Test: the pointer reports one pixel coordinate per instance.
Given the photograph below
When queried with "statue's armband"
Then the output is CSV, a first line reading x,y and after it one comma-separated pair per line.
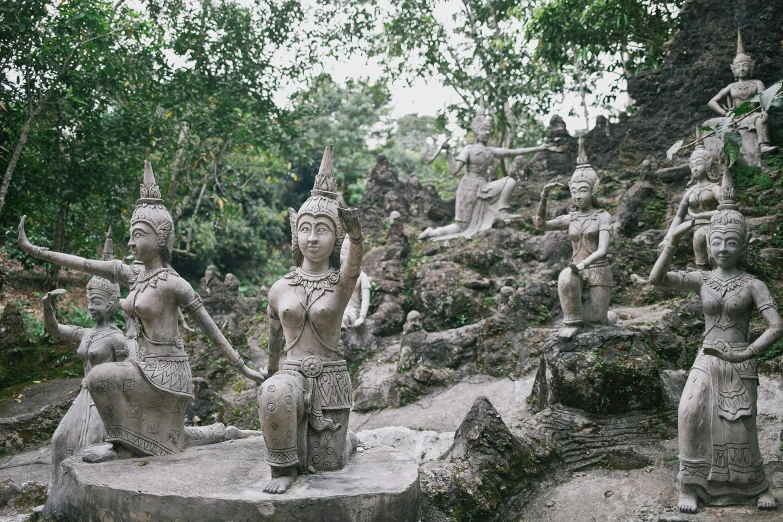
x,y
194,305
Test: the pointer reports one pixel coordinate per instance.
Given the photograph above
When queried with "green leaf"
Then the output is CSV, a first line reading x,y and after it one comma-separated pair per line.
x,y
768,95
674,149
744,108
731,146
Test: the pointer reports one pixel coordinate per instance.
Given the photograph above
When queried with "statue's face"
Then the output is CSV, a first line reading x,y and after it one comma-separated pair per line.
x,y
741,68
316,237
482,134
99,307
726,248
581,195
698,167
143,242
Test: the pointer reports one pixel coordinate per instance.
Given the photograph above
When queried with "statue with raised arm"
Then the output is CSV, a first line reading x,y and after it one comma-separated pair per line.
x,y
356,311
82,426
304,406
479,201
735,94
143,402
720,460
698,204
585,286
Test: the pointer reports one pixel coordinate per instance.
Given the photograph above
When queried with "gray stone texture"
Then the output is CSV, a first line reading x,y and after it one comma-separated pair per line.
x,y
224,482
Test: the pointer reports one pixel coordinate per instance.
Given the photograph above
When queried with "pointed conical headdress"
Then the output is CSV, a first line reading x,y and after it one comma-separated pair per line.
x,y
104,286
323,201
741,54
481,117
151,210
584,173
728,218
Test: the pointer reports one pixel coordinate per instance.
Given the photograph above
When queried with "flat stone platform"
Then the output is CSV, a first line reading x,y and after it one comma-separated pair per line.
x,y
223,482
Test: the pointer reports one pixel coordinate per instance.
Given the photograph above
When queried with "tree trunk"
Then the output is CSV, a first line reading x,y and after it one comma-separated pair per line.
x,y
183,134
53,270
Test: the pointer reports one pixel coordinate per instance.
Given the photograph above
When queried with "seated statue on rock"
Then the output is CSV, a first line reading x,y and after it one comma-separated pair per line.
x,y
82,426
304,406
143,402
356,311
720,459
585,286
699,204
479,201
753,128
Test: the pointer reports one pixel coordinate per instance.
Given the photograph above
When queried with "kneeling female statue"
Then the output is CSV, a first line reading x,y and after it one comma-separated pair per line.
x,y
720,460
143,402
304,406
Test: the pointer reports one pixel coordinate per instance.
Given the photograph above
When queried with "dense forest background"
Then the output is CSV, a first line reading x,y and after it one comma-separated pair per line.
x,y
232,104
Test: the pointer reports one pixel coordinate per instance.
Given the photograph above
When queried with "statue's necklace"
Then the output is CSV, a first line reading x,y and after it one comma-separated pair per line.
x,y
100,333
314,285
145,279
746,90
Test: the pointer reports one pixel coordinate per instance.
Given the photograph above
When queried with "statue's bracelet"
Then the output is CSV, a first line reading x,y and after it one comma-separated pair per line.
x,y
357,240
240,363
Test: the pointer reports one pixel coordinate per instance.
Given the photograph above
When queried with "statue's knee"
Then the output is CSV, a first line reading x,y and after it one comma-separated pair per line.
x,y
567,279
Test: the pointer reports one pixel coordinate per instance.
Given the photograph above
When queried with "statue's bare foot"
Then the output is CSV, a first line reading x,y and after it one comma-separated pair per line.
x,y
568,332
103,453
688,500
233,433
611,317
767,148
767,501
282,480
427,233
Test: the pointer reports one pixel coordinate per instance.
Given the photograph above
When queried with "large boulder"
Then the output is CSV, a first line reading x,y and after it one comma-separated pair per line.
x,y
485,467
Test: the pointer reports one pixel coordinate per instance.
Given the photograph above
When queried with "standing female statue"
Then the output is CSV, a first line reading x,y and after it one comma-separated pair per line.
x,y
585,286
720,458
737,93
698,204
143,402
82,426
304,406
479,201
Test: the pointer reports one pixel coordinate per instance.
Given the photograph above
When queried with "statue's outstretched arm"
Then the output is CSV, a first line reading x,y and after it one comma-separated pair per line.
x,y
115,271
502,152
191,304
53,328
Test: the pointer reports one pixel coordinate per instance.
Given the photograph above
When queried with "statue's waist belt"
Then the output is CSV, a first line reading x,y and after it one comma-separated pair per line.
x,y
736,347
329,381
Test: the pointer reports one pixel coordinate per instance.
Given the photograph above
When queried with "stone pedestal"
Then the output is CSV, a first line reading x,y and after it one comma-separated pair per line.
x,y
225,481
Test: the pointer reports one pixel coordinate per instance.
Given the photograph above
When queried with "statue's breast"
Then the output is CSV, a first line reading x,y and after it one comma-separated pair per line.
x,y
743,91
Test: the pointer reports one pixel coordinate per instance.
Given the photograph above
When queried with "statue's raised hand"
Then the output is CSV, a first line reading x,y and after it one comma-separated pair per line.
x,y
24,243
445,145
549,186
349,218
49,298
253,375
680,230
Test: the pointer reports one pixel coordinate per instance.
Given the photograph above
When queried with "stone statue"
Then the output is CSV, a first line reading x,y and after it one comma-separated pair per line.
x,y
479,201
699,204
585,286
304,406
142,402
720,460
356,311
754,128
82,426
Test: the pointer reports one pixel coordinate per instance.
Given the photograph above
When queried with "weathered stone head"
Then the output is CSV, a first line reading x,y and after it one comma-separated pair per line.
x,y
742,66
151,219
481,124
584,177
318,212
727,238
701,162
412,322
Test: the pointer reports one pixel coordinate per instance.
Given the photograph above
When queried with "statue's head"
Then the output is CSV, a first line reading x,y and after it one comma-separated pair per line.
x,y
700,162
481,124
584,182
152,229
103,298
316,233
728,235
742,66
